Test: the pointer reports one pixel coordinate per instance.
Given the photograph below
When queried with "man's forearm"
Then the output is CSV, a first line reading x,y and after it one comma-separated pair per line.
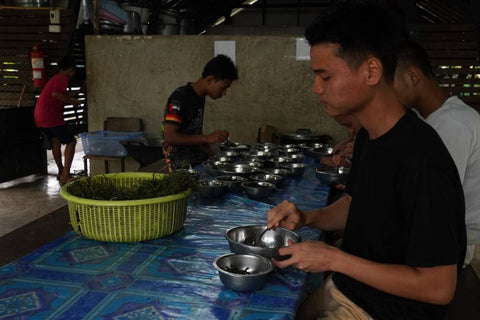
x,y
434,285
181,139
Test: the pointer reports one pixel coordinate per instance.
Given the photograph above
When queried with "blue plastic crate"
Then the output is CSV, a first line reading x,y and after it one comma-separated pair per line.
x,y
107,143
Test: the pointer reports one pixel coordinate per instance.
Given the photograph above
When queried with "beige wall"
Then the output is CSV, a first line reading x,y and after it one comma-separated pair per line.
x,y
132,76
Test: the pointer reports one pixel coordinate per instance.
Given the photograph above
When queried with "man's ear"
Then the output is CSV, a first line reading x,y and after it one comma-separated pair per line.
x,y
210,79
412,76
373,70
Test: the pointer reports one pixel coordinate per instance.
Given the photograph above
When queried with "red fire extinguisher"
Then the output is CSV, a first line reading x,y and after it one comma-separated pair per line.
x,y
38,67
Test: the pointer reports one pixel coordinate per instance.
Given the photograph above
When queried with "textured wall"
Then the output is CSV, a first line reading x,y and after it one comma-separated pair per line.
x,y
132,76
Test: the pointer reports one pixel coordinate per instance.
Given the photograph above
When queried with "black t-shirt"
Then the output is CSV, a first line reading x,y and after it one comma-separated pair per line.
x,y
407,208
185,109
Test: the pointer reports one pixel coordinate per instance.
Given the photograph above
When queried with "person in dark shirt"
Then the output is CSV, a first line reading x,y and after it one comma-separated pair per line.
x,y
184,143
404,213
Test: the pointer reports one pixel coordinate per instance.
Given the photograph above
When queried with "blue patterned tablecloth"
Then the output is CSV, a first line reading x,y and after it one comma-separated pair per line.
x,y
168,278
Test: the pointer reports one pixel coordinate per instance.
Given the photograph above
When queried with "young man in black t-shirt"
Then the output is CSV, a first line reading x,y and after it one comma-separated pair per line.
x,y
404,213
183,140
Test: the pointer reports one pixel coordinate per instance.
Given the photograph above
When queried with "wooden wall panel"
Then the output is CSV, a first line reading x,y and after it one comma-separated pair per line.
x,y
453,51
21,29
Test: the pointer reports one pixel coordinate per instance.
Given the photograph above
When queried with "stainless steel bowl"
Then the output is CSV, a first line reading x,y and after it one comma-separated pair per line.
x,y
321,152
288,151
217,169
230,154
332,176
243,272
253,164
236,169
210,188
266,177
307,146
279,171
234,183
296,157
258,189
277,161
234,146
221,158
259,153
253,158
295,169
240,239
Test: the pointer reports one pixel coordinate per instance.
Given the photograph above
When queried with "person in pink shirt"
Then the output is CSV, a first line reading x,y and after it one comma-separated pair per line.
x,y
49,117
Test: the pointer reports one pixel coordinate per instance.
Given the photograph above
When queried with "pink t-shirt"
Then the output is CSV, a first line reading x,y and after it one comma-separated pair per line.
x,y
49,110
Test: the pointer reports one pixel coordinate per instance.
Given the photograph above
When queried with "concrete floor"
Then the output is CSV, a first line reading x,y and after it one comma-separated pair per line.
x,y
27,199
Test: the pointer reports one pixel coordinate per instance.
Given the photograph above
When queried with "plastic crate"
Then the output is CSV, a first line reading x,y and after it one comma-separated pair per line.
x,y
107,143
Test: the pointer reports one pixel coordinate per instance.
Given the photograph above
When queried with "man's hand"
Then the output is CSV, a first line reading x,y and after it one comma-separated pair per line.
x,y
310,256
217,136
286,215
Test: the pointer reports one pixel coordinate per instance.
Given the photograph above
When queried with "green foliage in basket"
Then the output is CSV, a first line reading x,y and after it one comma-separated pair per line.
x,y
102,188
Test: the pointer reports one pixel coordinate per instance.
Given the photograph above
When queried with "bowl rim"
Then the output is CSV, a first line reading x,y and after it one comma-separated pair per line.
x,y
261,226
269,184
237,275
255,176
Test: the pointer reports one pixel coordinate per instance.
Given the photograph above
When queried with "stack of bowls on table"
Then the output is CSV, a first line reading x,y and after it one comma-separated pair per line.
x,y
248,266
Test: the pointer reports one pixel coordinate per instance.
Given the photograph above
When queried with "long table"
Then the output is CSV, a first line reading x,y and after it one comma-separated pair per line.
x,y
168,278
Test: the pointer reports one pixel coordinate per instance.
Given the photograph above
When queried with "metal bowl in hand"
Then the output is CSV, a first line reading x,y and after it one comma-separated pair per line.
x,y
258,189
240,240
243,272
265,177
294,168
332,176
234,183
210,188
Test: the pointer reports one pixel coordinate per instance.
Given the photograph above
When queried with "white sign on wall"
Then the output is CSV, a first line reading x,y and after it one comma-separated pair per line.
x,y
303,49
225,47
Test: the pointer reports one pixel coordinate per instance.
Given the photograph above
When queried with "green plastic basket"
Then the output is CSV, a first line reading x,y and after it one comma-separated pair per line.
x,y
128,220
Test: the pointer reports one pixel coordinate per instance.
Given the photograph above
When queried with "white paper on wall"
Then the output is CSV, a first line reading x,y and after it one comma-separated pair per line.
x,y
303,50
225,47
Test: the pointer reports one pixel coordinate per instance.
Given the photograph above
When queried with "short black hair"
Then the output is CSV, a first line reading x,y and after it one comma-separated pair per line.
x,y
360,28
411,53
221,67
66,63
